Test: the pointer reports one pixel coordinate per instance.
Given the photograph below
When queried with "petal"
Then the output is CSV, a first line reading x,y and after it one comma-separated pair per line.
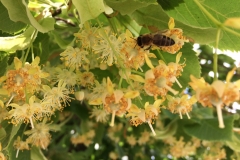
x,y
149,63
97,101
230,74
149,74
17,63
109,86
137,78
31,100
171,23
131,94
36,61
219,87
178,57
118,94
157,103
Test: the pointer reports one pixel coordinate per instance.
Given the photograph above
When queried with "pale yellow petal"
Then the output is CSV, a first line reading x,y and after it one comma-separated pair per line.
x,y
97,101
149,74
171,23
17,63
237,83
109,86
151,55
230,74
219,87
137,78
178,57
118,94
2,79
142,115
36,61
158,102
132,94
148,61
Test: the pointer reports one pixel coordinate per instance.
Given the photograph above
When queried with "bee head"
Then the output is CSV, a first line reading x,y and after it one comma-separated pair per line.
x,y
139,41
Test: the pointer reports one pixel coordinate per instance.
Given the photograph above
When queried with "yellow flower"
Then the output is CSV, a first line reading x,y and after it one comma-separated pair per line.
x,y
56,98
159,80
24,113
20,145
131,140
40,136
148,114
2,157
24,79
217,94
181,105
177,35
100,115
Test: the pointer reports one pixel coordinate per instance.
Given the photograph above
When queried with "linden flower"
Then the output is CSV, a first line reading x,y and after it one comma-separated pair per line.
x,y
115,132
85,139
148,114
88,36
100,115
74,57
68,76
116,102
134,55
176,35
20,145
56,97
131,140
217,94
40,136
158,80
86,79
25,113
22,80
145,136
109,47
181,105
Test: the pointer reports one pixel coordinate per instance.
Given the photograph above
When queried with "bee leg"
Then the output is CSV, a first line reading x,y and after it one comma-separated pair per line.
x,y
148,48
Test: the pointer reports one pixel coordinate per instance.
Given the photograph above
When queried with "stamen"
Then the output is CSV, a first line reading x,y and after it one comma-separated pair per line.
x,y
113,118
17,153
180,113
31,122
220,118
12,96
178,82
150,125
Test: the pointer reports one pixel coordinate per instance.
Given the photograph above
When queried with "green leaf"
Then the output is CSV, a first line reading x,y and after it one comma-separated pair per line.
x,y
128,6
3,64
154,15
6,24
208,129
88,9
2,133
235,143
18,11
36,154
189,13
19,42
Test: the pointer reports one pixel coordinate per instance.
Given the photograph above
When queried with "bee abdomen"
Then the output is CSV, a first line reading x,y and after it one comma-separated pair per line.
x,y
162,40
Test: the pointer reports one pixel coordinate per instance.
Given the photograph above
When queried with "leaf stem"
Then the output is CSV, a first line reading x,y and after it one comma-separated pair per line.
x,y
207,13
215,56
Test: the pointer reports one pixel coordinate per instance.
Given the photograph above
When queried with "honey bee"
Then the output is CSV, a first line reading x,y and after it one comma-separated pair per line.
x,y
154,39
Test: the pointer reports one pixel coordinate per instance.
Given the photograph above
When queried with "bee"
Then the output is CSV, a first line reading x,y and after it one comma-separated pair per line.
x,y
154,39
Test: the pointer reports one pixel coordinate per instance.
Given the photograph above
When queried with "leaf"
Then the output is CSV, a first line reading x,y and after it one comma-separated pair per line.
x,y
88,9
208,129
11,130
3,64
18,11
6,24
235,143
36,154
128,6
19,42
2,133
189,13
154,15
